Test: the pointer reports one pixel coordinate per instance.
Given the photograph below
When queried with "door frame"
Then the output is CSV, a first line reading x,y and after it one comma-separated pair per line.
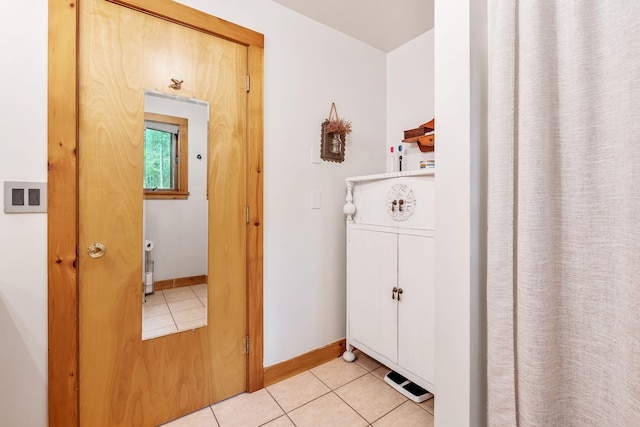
x,y
62,188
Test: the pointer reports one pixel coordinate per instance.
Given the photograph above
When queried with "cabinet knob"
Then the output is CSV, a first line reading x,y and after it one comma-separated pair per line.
x,y
399,293
401,202
393,293
393,205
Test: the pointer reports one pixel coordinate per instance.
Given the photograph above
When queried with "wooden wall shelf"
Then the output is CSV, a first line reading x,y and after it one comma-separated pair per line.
x,y
423,136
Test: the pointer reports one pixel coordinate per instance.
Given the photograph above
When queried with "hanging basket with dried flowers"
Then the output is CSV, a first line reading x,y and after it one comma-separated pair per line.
x,y
334,131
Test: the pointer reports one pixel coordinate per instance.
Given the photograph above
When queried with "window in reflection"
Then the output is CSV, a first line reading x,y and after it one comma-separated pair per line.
x,y
166,158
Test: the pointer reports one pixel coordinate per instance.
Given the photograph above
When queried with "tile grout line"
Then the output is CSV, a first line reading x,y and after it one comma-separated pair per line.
x,y
171,312
384,382
306,403
352,408
214,415
332,390
377,419
175,323
286,414
168,309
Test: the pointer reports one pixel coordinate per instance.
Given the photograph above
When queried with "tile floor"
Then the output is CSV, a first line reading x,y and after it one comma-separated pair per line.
x,y
334,394
172,310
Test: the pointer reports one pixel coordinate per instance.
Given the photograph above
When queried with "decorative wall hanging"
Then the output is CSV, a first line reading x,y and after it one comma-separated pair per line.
x,y
333,136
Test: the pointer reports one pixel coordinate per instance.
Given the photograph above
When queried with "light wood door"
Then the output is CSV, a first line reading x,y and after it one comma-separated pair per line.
x,y
125,381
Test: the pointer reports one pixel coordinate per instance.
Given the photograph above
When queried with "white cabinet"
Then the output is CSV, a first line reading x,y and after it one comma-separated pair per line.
x,y
390,272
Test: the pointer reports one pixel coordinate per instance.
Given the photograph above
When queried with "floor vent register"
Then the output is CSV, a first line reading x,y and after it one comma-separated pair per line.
x,y
411,390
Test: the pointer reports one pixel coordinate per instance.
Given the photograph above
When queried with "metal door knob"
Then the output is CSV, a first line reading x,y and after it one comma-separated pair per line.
x,y
96,250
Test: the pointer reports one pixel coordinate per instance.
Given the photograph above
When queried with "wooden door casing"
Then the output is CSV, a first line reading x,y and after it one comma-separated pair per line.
x,y
63,191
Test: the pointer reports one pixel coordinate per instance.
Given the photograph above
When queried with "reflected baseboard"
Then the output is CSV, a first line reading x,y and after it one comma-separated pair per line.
x,y
180,282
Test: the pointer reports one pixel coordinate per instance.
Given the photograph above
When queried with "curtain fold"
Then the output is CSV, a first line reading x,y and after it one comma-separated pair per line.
x,y
563,285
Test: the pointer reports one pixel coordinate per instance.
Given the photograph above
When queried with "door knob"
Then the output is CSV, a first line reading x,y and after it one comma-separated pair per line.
x,y
96,250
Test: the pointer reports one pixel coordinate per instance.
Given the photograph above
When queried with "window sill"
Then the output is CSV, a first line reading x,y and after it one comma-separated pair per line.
x,y
166,195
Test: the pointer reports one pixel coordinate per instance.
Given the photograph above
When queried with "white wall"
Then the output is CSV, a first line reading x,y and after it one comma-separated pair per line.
x,y
410,95
178,228
308,66
23,237
460,99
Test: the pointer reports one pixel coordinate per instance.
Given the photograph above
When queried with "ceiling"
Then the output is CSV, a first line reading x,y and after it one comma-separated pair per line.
x,y
383,24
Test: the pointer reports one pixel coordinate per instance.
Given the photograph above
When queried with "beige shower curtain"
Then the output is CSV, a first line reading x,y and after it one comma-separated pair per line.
x,y
564,213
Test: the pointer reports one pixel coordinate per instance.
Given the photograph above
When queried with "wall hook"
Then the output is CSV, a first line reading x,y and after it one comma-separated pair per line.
x,y
176,84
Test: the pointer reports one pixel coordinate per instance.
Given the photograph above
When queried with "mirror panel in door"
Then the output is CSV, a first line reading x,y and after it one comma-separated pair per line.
x,y
175,215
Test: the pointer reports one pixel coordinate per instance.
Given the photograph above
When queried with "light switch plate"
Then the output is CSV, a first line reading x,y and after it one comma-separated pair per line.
x,y
315,154
25,197
316,200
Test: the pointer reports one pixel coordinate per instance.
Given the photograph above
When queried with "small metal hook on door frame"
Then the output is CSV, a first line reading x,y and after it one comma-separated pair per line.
x,y
176,84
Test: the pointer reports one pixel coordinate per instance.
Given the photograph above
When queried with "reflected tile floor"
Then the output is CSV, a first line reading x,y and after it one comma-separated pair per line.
x,y
334,394
173,310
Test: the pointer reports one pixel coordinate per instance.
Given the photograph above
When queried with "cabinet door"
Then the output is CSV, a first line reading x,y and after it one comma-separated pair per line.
x,y
372,267
416,319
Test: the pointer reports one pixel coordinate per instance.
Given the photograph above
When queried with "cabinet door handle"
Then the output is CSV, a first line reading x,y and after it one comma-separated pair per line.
x,y
400,203
393,293
399,293
393,205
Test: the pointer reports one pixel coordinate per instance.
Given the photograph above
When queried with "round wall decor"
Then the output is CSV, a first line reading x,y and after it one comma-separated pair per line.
x,y
401,202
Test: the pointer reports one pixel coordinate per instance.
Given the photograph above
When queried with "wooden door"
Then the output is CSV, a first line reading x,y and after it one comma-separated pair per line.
x,y
125,381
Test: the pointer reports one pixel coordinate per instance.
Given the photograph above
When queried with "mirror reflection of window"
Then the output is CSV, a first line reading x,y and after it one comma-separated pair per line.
x,y
165,156
161,160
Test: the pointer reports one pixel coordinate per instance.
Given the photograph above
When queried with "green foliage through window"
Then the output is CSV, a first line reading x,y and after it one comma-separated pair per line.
x,y
160,160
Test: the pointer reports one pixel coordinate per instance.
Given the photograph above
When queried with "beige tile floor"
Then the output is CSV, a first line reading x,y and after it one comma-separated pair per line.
x,y
173,310
334,394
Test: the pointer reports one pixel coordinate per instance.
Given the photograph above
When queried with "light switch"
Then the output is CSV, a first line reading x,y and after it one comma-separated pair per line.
x,y
316,199
17,197
34,197
25,197
315,154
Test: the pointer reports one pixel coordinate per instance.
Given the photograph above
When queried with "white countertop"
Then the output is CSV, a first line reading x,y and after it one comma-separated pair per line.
x,y
420,172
